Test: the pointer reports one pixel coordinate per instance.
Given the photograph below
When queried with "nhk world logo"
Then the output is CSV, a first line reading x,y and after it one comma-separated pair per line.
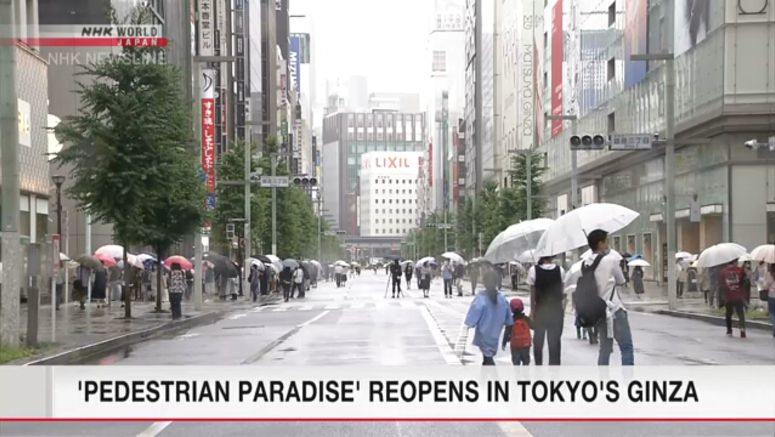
x,y
88,35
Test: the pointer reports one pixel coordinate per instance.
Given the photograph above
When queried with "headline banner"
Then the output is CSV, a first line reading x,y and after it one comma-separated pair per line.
x,y
388,393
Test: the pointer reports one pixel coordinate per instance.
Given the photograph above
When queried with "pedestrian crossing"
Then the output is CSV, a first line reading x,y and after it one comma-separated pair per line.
x,y
335,306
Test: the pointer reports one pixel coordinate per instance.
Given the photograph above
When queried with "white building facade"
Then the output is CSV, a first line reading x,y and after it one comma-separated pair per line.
x,y
389,191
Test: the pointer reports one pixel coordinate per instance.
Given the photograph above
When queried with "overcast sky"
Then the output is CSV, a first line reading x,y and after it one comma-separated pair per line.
x,y
384,40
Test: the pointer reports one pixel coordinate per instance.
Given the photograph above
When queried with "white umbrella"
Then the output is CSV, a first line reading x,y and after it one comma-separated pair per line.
x,y
342,263
573,274
143,257
355,264
111,250
765,252
570,230
454,257
277,262
683,255
516,239
427,259
406,261
745,258
63,257
639,263
528,256
255,262
719,254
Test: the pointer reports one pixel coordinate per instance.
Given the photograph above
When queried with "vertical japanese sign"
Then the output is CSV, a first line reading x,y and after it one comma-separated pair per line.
x,y
295,62
557,58
55,249
205,28
208,133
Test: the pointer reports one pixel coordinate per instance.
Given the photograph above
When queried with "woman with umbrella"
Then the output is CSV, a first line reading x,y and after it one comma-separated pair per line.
x,y
177,286
408,269
637,275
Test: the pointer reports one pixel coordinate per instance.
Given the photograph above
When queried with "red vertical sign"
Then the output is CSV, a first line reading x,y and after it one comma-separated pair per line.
x,y
557,57
208,134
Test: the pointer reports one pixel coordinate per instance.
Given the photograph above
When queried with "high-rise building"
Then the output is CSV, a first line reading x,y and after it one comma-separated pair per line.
x,y
349,135
389,188
445,99
724,96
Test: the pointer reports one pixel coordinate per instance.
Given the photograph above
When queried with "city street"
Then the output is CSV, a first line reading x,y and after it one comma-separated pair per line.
x,y
355,325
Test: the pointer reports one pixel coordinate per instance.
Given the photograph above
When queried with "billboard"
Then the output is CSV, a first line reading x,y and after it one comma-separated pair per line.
x,y
208,133
294,64
694,19
635,40
557,60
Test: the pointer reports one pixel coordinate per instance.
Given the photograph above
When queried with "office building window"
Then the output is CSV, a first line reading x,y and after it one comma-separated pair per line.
x,y
439,63
611,68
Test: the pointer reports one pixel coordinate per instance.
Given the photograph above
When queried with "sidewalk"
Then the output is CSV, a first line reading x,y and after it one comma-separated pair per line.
x,y
89,332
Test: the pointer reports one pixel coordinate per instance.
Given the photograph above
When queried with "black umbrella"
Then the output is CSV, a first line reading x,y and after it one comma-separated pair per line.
x,y
263,258
222,265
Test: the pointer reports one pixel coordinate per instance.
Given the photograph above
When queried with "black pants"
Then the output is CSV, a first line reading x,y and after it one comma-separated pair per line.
x,y
488,361
520,356
447,287
679,288
738,307
286,291
473,286
548,325
299,287
396,285
175,307
408,282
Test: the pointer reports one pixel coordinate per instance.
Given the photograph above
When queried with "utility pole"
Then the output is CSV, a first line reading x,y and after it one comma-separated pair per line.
x,y
444,139
574,177
274,206
529,183
247,237
669,181
9,143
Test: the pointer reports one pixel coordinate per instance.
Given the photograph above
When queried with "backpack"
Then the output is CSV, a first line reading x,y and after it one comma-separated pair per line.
x,y
590,307
520,334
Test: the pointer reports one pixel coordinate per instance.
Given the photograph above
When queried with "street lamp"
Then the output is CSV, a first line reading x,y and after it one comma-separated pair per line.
x,y
58,181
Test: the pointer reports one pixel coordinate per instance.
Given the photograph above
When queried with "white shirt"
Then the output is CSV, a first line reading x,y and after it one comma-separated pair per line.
x,y
338,269
298,276
608,274
531,274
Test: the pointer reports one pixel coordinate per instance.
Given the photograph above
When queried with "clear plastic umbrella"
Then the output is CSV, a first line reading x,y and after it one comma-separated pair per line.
x,y
454,257
639,263
765,252
570,231
719,254
516,239
111,250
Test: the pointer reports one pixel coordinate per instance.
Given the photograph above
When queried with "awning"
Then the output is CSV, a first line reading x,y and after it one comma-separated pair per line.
x,y
656,217
682,213
713,209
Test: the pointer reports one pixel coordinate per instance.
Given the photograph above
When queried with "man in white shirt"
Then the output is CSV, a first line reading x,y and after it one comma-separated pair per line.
x,y
608,275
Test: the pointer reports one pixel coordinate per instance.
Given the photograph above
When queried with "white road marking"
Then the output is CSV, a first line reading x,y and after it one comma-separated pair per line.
x,y
313,320
237,316
438,338
257,309
514,429
189,335
281,309
154,429
332,306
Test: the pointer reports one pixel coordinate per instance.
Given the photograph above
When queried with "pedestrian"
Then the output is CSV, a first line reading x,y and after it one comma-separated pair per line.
x,y
715,297
459,273
263,280
637,281
255,282
114,284
189,284
749,282
176,286
681,275
608,276
519,335
704,277
446,276
408,275
546,281
514,277
473,274
425,282
418,275
298,283
80,292
338,275
99,286
732,279
490,315
625,271
59,281
769,284
285,282
395,275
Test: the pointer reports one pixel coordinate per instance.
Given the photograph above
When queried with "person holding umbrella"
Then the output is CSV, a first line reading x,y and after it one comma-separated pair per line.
x,y
177,286
546,281
473,274
286,277
446,276
732,279
298,282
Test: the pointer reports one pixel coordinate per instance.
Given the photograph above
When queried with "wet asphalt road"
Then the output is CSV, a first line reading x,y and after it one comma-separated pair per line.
x,y
355,325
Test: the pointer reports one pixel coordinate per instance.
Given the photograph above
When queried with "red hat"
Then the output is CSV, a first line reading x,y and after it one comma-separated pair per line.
x,y
517,305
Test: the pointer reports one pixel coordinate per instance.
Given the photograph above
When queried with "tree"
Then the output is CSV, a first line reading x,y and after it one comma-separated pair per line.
x,y
518,178
128,150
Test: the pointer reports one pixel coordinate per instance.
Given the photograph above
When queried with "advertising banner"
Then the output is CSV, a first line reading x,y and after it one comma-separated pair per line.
x,y
557,60
635,40
294,66
205,29
208,133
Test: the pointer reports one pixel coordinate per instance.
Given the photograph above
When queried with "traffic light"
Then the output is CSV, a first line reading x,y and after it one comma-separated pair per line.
x,y
304,181
588,142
